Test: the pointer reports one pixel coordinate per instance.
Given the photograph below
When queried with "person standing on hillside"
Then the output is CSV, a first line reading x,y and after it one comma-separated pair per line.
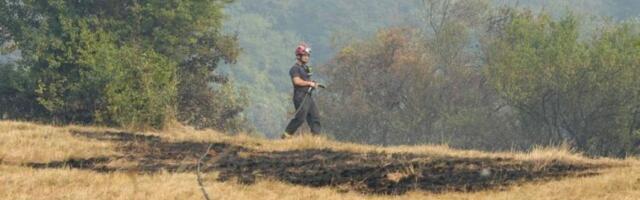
x,y
306,109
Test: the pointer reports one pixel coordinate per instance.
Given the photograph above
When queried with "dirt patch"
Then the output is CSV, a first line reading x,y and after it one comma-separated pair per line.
x,y
376,173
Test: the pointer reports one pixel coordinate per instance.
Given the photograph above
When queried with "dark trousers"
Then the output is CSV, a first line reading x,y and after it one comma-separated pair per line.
x,y
307,112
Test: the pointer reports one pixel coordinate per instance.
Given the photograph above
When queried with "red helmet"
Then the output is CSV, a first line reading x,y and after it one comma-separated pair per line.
x,y
303,49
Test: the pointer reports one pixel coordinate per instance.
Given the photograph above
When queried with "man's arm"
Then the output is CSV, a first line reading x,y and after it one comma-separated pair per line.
x,y
297,81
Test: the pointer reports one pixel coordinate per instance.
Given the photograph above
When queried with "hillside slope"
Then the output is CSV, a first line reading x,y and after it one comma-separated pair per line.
x,y
74,162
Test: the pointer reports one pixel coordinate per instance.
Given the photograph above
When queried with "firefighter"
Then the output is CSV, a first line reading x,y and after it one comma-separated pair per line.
x,y
306,109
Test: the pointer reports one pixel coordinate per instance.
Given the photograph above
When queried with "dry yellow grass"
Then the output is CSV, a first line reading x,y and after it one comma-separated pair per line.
x,y
22,142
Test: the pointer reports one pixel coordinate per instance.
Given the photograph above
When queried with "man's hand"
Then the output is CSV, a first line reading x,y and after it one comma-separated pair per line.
x,y
313,84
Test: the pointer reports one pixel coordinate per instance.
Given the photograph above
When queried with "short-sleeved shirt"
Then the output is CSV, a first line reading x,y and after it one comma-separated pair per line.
x,y
299,71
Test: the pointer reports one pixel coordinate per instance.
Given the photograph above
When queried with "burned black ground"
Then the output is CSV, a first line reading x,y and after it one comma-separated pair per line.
x,y
377,173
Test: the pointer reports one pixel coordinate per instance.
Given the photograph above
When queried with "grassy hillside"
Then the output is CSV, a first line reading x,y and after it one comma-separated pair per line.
x,y
74,162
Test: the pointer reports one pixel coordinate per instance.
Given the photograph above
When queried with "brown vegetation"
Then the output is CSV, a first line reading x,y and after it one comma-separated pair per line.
x,y
124,165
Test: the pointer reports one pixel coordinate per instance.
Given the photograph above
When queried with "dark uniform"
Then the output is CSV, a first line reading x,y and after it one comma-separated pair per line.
x,y
303,102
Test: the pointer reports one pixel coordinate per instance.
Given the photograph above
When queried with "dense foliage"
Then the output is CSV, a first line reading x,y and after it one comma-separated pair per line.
x,y
127,63
566,87
508,79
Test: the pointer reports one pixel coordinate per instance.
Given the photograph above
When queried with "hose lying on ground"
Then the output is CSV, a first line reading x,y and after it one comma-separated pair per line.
x,y
199,174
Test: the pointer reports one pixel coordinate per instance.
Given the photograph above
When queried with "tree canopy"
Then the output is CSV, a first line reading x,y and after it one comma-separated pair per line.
x,y
131,63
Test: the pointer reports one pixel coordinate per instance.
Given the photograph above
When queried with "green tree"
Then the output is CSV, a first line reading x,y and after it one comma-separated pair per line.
x,y
17,93
569,88
133,63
